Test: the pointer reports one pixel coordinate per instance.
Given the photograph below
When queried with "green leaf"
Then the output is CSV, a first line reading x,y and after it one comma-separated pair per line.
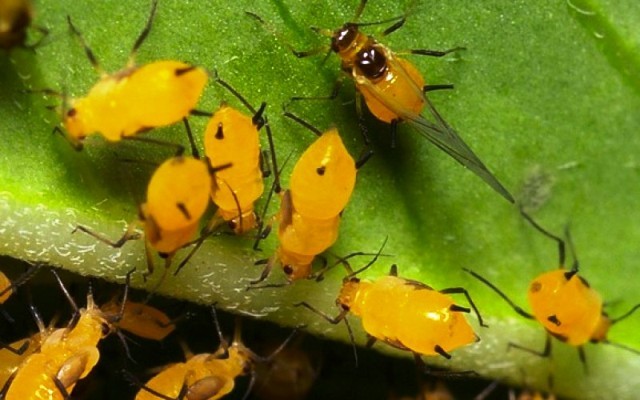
x,y
544,93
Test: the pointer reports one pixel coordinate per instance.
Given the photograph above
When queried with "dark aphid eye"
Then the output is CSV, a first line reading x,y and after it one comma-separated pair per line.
x,y
372,62
106,329
288,269
343,37
71,112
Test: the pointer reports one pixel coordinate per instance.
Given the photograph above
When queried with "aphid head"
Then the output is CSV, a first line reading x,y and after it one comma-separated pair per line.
x,y
348,293
74,126
344,37
602,329
296,272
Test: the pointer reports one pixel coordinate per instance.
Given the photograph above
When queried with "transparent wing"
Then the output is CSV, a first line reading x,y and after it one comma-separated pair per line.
x,y
439,132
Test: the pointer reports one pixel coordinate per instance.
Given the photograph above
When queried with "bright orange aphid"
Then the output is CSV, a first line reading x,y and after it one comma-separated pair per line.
x,y
140,319
207,376
406,314
66,355
310,211
564,303
394,90
289,375
233,137
177,197
135,99
15,19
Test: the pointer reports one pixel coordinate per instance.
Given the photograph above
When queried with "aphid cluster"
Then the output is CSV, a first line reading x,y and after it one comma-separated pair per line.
x,y
229,177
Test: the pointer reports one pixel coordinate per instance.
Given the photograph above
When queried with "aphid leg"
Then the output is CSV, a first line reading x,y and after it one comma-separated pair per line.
x,y
332,96
265,167
44,32
200,113
433,53
92,58
332,320
60,386
19,351
394,132
513,305
133,379
194,149
546,352
561,244
431,88
277,188
440,373
224,345
362,126
269,263
302,122
130,234
583,359
461,290
143,35
148,251
179,149
22,279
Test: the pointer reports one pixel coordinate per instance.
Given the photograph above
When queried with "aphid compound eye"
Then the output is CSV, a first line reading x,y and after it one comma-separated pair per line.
x,y
535,287
106,329
288,270
72,112
343,37
372,62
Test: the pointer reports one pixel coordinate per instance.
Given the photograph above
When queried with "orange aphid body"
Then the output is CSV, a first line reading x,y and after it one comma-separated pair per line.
x,y
567,308
177,197
207,376
141,320
68,355
233,137
5,286
407,315
321,185
136,99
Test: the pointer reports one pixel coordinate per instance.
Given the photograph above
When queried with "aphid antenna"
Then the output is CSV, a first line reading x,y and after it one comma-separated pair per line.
x,y
369,264
257,114
269,27
500,293
539,228
143,35
319,276
90,55
622,346
625,315
72,303
223,342
23,278
575,266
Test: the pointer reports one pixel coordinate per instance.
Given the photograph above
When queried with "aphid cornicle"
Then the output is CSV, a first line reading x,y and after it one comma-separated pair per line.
x,y
394,90
564,303
15,20
321,185
134,99
406,314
